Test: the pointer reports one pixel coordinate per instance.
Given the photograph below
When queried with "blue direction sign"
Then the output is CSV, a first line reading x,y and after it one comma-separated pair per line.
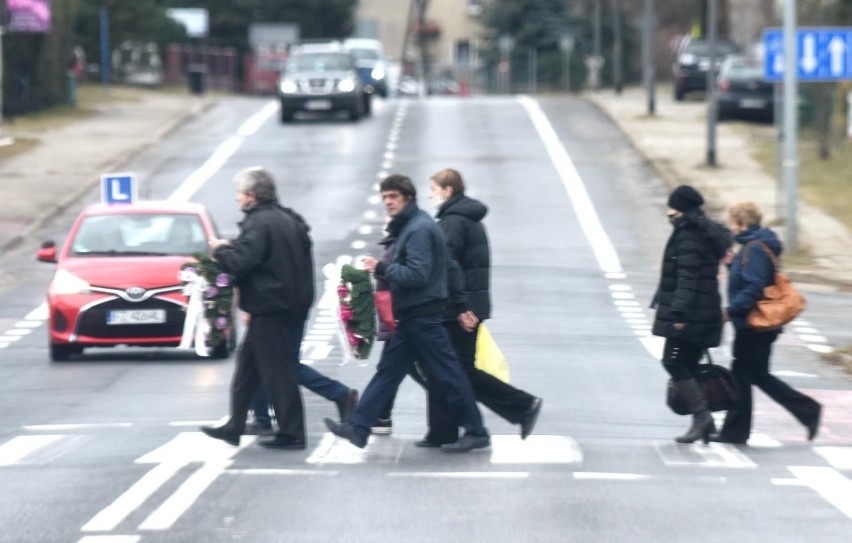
x,y
118,188
824,54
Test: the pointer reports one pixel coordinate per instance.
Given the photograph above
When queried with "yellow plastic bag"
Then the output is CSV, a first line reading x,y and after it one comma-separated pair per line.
x,y
489,358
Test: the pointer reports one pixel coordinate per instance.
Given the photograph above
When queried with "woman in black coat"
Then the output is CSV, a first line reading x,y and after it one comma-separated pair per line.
x,y
752,270
689,307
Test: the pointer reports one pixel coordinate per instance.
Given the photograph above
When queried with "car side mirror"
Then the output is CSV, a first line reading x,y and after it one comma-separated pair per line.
x,y
47,253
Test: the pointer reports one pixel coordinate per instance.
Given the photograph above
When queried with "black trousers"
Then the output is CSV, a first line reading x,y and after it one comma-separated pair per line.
x,y
502,398
266,357
681,359
751,367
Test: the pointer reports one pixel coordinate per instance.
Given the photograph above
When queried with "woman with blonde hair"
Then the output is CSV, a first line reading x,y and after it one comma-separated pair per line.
x,y
751,270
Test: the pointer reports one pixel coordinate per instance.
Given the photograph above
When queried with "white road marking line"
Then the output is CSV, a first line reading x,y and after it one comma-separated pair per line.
x,y
19,331
788,373
813,338
620,287
828,483
176,505
40,313
19,447
461,474
820,348
838,457
111,516
623,295
283,471
332,450
590,223
359,244
601,476
626,303
537,449
80,426
110,539
365,230
780,481
28,324
763,441
4,344
182,423
9,339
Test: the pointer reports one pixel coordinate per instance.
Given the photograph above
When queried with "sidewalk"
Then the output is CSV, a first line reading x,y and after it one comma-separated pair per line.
x,y
67,162
675,141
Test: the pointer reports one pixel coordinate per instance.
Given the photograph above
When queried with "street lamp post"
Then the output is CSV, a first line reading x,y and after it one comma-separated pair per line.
x,y
505,43
791,122
711,84
648,53
616,46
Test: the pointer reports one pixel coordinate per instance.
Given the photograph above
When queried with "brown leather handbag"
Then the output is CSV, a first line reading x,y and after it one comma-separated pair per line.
x,y
781,302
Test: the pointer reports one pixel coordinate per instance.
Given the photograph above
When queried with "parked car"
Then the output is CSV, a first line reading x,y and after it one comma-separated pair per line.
x,y
321,78
116,279
370,62
692,62
742,92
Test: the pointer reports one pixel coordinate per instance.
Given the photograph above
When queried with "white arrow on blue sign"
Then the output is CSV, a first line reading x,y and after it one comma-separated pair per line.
x,y
824,54
118,188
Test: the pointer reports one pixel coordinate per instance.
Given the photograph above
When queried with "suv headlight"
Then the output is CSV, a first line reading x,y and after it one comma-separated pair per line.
x,y
377,73
688,59
65,282
288,86
346,85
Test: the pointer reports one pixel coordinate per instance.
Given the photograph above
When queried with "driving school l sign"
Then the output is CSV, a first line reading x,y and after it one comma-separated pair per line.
x,y
118,188
824,54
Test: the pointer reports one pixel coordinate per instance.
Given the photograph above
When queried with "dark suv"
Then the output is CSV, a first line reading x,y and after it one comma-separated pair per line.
x,y
321,78
692,61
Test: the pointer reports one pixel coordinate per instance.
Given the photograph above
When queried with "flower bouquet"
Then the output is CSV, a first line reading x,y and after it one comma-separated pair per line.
x,y
357,310
209,310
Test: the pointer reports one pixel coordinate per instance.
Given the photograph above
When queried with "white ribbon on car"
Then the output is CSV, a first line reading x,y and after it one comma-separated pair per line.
x,y
195,327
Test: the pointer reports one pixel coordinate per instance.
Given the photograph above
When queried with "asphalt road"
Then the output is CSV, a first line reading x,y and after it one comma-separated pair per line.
x,y
105,449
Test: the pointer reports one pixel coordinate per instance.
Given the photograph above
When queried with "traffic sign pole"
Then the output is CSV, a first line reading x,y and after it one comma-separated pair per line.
x,y
791,129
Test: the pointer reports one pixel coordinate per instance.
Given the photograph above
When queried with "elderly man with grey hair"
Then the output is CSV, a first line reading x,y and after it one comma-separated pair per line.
x,y
272,263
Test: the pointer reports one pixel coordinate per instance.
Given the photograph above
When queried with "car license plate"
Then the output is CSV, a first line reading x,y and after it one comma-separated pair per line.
x,y
318,105
144,316
752,103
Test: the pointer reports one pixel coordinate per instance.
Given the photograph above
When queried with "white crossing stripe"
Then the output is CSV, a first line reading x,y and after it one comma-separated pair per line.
x,y
838,457
110,539
538,449
713,455
332,450
167,514
16,449
828,483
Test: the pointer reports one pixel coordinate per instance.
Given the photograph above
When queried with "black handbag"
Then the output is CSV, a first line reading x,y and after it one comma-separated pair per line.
x,y
716,383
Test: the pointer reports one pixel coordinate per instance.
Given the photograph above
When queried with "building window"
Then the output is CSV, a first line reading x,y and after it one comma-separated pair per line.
x,y
463,53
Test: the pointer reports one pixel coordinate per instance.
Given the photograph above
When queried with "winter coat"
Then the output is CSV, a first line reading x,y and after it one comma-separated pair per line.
x,y
418,270
272,262
746,282
460,218
689,287
384,331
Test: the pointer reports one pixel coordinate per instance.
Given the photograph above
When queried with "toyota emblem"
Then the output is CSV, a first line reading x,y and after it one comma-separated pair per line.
x,y
135,292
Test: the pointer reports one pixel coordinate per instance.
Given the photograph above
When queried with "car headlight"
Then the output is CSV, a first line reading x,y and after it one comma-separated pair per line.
x,y
288,86
377,73
688,59
65,282
346,85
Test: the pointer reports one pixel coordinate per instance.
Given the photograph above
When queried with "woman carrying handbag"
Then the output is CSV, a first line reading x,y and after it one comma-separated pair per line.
x,y
752,269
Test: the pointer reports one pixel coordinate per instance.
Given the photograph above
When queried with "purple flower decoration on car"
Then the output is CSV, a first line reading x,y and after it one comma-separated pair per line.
x,y
222,280
211,292
221,323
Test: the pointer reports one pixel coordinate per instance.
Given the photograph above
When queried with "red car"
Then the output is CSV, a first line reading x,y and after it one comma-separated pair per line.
x,y
116,280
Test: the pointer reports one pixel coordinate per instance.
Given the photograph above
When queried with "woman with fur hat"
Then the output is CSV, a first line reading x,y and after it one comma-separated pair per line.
x,y
688,303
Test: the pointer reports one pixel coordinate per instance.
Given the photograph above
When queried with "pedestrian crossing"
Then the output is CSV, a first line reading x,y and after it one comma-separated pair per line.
x,y
52,448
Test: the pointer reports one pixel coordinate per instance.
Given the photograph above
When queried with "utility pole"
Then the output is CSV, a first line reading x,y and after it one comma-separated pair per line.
x,y
711,84
791,122
597,61
648,53
616,46
105,53
421,44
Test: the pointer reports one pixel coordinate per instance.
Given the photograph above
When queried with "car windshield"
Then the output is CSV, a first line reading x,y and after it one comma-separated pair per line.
x,y
702,48
136,234
365,54
741,70
318,62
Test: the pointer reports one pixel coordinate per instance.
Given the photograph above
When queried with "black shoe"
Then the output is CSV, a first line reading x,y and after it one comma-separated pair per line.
x,y
813,426
530,418
346,404
383,427
719,438
345,431
467,443
427,444
222,433
283,442
258,429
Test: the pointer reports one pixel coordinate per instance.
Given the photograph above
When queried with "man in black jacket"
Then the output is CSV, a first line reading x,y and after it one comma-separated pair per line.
x,y
272,263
